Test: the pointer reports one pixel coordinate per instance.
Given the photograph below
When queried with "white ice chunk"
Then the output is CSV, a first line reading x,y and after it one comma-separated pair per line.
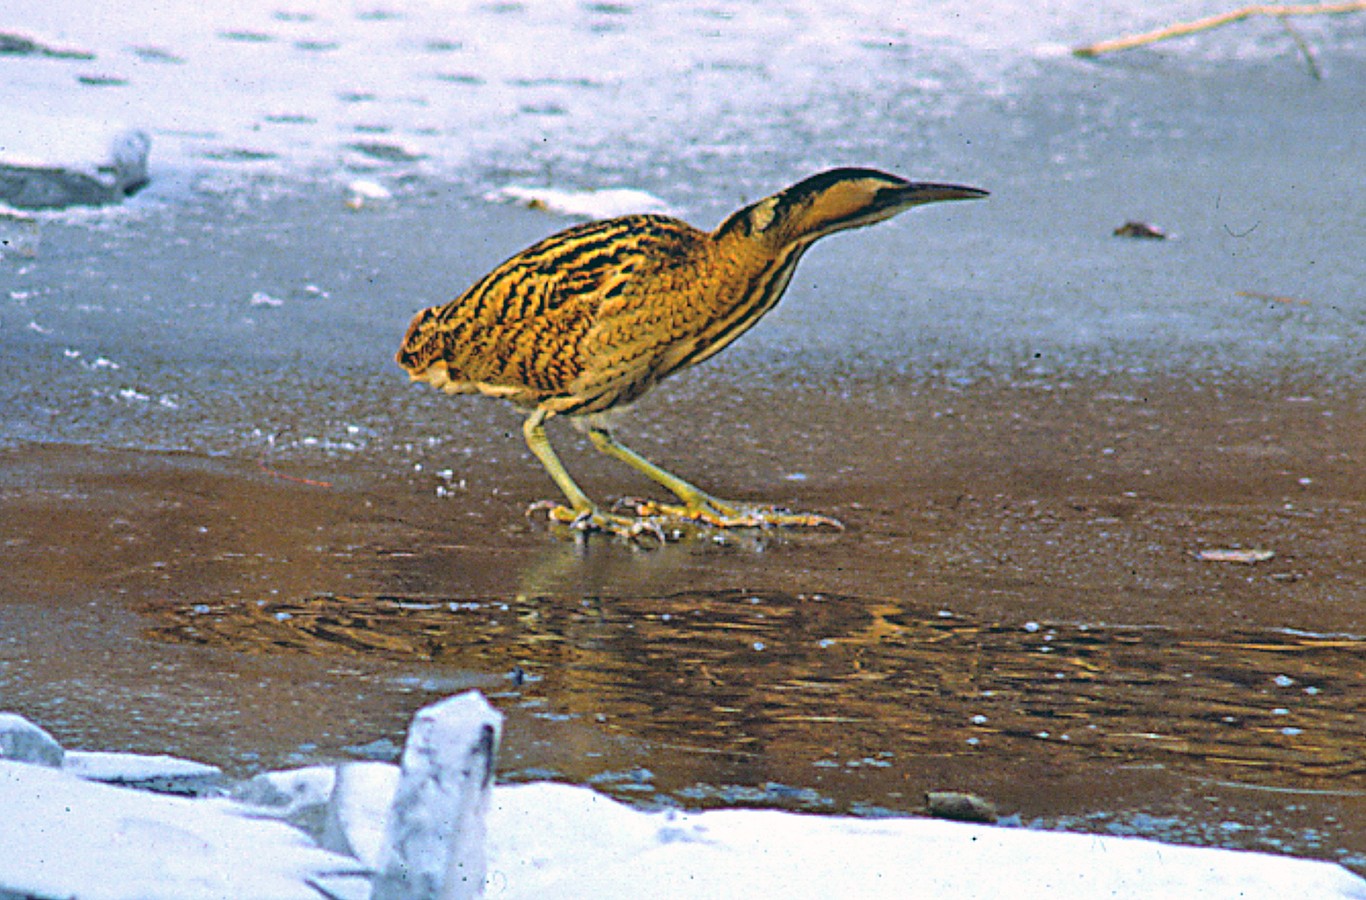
x,y
358,810
165,773
363,192
58,161
434,840
289,791
62,836
22,741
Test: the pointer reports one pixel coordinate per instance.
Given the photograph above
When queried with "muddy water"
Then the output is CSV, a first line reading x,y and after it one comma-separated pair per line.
x,y
1016,607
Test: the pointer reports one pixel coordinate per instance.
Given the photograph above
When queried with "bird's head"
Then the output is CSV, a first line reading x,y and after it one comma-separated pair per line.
x,y
836,200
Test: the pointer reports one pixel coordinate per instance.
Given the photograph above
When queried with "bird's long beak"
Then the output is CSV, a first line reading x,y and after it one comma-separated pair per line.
x,y
915,193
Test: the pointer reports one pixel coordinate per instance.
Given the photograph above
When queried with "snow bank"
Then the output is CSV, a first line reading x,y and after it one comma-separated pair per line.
x,y
64,836
549,840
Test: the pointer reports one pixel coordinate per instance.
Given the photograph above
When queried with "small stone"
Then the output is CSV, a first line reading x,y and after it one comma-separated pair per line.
x,y
592,204
1144,230
380,749
960,807
362,193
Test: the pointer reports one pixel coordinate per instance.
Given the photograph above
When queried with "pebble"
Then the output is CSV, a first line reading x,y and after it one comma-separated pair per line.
x,y
960,807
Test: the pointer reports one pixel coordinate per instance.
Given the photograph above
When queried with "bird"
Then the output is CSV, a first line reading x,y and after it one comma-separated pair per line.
x,y
584,322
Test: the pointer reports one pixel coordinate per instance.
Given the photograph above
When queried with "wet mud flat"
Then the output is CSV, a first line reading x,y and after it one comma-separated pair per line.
x,y
1017,608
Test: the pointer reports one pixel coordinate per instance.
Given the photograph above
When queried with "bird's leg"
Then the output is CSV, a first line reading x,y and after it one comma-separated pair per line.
x,y
582,512
698,505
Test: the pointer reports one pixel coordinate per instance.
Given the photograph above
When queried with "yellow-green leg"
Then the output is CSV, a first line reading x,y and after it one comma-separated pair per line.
x,y
582,512
698,505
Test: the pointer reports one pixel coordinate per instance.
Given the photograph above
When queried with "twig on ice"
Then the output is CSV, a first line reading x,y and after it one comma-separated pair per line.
x,y
1181,29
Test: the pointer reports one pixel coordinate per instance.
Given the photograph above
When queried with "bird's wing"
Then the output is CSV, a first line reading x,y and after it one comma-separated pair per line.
x,y
523,327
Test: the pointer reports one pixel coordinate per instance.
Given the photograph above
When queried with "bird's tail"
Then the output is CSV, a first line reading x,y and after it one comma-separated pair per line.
x,y
417,351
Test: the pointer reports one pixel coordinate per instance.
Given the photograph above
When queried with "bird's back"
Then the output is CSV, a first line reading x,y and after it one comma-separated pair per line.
x,y
573,320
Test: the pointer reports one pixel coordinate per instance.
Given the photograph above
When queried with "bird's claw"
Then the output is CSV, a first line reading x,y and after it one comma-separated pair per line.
x,y
635,518
718,514
546,506
592,519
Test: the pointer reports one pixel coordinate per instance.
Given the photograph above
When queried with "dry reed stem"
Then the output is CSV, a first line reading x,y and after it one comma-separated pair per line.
x,y
1181,29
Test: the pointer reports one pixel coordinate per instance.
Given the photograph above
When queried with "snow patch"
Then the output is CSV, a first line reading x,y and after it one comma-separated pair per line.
x,y
606,203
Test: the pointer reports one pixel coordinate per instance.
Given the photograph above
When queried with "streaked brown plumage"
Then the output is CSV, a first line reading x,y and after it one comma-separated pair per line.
x,y
589,319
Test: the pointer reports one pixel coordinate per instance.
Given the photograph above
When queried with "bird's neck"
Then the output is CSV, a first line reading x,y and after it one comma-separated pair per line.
x,y
751,240
759,259
747,277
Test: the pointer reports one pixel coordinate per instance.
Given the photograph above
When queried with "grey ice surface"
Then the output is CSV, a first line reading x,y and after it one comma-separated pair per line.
x,y
240,306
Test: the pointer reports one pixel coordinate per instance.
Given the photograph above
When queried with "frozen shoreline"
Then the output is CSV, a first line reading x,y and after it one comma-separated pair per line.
x,y
576,94
63,835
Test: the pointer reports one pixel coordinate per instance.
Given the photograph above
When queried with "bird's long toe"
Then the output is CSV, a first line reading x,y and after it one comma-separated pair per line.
x,y
721,514
593,519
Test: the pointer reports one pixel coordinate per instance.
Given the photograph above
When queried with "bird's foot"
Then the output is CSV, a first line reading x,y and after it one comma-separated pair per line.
x,y
722,514
592,519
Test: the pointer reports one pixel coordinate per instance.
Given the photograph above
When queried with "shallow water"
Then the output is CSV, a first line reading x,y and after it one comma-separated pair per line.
x,y
233,531
830,681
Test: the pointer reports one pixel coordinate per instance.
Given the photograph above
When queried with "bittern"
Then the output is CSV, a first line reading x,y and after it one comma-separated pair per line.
x,y
586,321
